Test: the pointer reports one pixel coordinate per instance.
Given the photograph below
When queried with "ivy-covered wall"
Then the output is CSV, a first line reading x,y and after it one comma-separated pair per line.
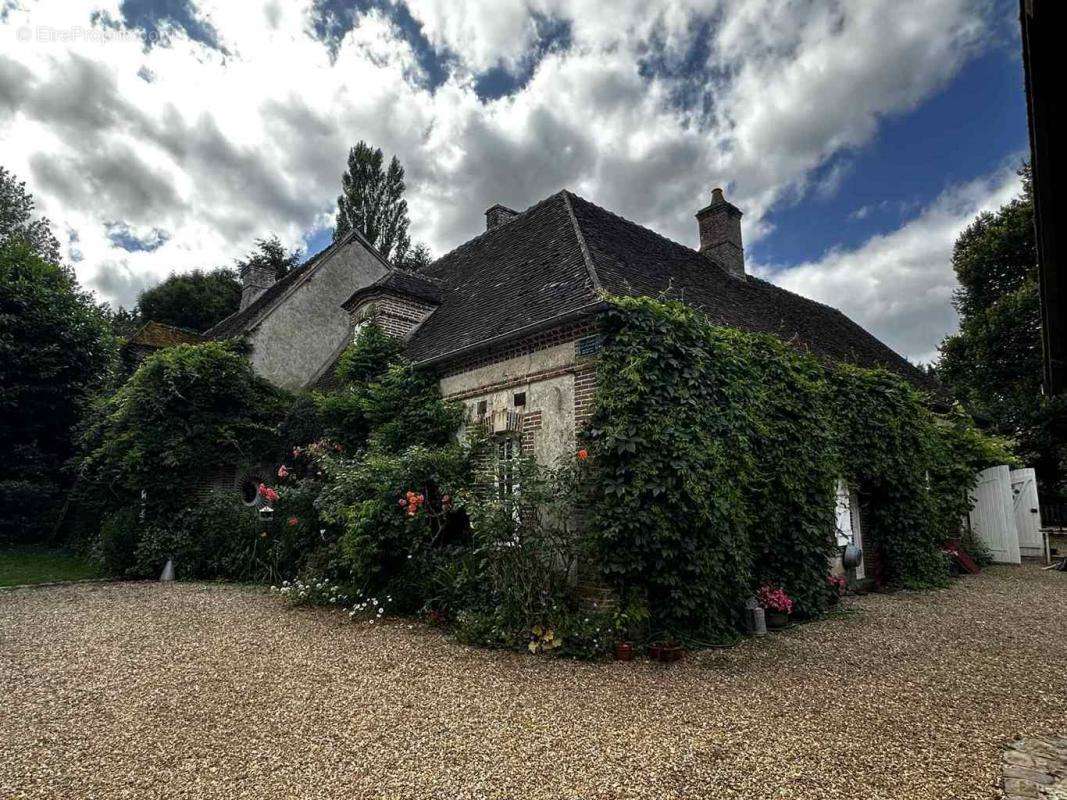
x,y
718,452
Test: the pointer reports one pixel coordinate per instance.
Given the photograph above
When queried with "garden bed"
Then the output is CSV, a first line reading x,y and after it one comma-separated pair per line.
x,y
193,690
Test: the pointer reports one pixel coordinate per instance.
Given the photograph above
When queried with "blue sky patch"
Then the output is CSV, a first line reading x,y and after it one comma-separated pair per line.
x,y
552,35
975,126
121,235
156,19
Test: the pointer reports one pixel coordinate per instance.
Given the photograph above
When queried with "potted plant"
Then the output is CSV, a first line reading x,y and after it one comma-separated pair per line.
x,y
626,624
671,651
838,585
777,606
666,650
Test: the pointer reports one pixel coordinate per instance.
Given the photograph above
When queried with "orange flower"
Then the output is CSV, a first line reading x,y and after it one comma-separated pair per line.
x,y
583,454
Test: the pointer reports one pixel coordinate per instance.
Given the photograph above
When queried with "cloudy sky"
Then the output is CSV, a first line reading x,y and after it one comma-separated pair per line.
x,y
858,136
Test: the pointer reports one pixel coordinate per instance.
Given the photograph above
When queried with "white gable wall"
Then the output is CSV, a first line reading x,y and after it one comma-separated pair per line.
x,y
308,326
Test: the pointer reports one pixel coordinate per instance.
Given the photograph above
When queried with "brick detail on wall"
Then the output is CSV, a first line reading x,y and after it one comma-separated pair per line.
x,y
395,314
531,423
510,383
584,395
521,347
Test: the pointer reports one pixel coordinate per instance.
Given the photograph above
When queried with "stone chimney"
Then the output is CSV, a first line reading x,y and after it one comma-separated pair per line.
x,y
720,233
255,279
497,215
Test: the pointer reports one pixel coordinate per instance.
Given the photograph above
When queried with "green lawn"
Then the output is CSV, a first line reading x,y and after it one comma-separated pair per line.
x,y
20,565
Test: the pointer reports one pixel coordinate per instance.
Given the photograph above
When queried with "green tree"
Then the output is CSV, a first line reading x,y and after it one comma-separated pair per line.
x,y
372,201
17,219
416,259
195,300
56,349
270,252
993,364
187,413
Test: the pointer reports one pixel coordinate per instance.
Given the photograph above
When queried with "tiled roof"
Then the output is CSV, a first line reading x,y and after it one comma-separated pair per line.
x,y
402,282
553,259
159,334
515,275
632,260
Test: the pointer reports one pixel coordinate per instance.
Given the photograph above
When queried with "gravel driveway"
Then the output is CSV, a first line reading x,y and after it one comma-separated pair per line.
x,y
149,690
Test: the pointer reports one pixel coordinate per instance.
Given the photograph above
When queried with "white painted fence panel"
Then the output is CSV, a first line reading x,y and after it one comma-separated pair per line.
x,y
992,516
1027,513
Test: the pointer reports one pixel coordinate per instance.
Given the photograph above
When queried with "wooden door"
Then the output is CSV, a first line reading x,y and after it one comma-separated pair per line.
x,y
992,515
1027,513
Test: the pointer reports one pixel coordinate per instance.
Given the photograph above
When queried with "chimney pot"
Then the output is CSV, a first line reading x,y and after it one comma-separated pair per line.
x,y
720,233
497,215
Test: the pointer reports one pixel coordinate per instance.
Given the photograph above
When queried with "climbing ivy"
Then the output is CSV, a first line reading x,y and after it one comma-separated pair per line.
x,y
718,451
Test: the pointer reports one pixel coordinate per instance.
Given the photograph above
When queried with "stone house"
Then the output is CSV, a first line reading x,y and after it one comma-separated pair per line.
x,y
296,325
509,320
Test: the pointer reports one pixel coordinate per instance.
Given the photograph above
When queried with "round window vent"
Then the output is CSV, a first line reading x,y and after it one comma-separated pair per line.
x,y
249,487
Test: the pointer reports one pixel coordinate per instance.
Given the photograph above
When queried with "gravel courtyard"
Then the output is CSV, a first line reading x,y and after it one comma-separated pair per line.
x,y
148,690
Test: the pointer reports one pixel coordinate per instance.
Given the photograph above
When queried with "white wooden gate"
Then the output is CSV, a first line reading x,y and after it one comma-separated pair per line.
x,y
1027,513
992,516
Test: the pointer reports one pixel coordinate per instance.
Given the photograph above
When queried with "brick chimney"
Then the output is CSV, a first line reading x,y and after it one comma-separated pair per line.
x,y
720,233
497,215
255,279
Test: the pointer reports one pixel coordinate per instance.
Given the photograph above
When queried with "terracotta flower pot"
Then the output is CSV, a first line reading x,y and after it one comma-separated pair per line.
x,y
671,653
775,619
666,652
624,651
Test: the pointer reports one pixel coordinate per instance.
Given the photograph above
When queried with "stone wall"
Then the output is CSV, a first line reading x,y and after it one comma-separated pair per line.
x,y
552,374
308,328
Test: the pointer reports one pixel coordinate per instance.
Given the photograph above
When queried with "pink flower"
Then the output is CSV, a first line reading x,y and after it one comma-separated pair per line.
x,y
283,472
774,599
267,493
293,521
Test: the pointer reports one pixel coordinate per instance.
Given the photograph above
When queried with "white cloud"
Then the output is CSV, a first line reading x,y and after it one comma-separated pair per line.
x,y
219,148
899,285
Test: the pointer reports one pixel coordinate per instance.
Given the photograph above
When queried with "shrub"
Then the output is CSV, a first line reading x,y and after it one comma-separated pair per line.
x,y
385,548
114,547
188,411
528,546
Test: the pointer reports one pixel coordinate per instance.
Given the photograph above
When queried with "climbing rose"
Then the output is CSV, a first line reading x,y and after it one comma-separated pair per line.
x,y
293,521
283,471
583,454
267,493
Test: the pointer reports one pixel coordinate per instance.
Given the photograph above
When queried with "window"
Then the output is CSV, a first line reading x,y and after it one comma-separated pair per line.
x,y
483,405
359,326
520,399
506,484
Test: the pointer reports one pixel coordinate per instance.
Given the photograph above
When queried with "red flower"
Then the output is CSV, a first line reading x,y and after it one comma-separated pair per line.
x,y
267,493
293,521
583,454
